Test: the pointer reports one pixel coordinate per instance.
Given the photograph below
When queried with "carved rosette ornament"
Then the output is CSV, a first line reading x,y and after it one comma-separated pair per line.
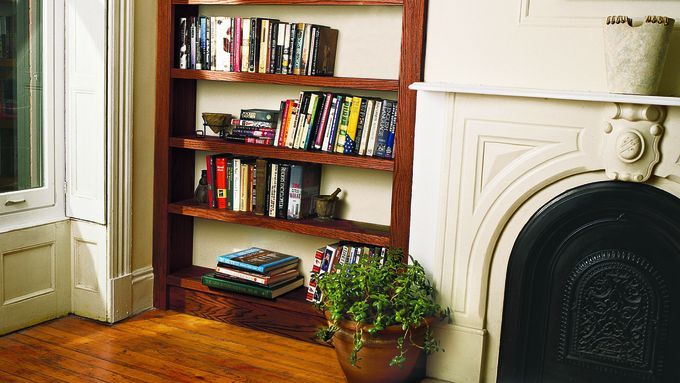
x,y
631,141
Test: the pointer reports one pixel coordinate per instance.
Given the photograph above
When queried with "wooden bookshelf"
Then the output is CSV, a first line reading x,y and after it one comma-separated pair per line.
x,y
177,280
283,79
214,144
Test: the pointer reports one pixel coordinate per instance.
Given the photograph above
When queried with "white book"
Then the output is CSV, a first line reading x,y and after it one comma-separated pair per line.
x,y
213,43
273,190
237,185
375,125
367,126
264,40
220,54
227,45
285,60
245,44
280,41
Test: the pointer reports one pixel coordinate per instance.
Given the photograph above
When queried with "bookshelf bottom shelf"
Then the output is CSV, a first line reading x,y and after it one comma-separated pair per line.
x,y
289,315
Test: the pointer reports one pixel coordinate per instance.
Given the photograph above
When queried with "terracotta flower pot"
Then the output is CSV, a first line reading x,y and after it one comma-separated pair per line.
x,y
374,364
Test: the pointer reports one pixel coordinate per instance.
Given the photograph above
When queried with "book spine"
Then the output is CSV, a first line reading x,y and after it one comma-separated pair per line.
x,y
254,133
261,185
375,126
238,33
221,182
282,196
229,44
183,43
213,43
316,268
243,195
351,134
321,130
360,126
384,130
264,42
281,123
259,115
253,123
208,44
242,275
193,39
200,51
273,41
295,192
252,186
342,125
389,146
290,129
237,184
329,124
254,41
315,51
280,42
285,53
217,283
304,60
309,123
273,188
245,44
230,184
299,40
333,138
366,127
301,119
209,167
291,49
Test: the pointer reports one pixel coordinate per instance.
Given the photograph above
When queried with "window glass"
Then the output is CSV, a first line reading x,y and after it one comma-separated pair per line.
x,y
21,96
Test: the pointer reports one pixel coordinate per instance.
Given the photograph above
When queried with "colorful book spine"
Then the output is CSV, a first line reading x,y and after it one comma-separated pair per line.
x,y
323,121
375,126
384,129
245,44
192,42
342,125
299,40
260,133
221,181
353,121
282,191
230,184
253,123
211,281
273,188
236,190
389,146
360,125
329,124
316,268
365,133
209,164
238,34
243,191
208,44
200,54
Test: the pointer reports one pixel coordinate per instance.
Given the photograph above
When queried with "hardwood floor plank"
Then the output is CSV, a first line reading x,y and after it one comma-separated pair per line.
x,y
159,347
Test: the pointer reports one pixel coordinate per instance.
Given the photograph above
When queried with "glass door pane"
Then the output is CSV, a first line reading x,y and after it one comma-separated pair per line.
x,y
21,95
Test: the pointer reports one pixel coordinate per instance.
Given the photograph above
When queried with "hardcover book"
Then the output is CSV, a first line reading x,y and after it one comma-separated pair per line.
x,y
270,292
261,185
305,183
255,259
282,191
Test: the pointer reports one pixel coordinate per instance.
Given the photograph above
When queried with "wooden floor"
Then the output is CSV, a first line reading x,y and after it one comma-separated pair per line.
x,y
160,346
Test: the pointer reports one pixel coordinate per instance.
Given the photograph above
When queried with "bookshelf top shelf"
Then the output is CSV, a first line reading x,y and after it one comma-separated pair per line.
x,y
288,2
283,79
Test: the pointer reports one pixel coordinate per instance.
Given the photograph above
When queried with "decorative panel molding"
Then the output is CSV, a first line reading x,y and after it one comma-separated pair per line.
x,y
89,288
28,272
85,262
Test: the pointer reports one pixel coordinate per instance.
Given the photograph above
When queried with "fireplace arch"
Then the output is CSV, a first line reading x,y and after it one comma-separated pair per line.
x,y
589,289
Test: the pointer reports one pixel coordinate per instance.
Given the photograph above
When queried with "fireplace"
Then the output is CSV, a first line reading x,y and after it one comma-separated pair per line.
x,y
549,222
592,289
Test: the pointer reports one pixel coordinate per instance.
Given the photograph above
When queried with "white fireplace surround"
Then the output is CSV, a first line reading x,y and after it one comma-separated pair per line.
x,y
486,159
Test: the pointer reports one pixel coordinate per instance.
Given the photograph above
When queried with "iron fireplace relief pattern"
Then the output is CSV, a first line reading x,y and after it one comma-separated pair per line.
x,y
614,314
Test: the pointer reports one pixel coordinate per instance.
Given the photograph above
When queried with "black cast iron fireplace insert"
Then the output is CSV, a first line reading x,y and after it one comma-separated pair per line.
x,y
593,289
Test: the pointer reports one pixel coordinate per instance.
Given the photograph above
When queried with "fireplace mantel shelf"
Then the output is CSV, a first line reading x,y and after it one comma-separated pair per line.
x,y
544,93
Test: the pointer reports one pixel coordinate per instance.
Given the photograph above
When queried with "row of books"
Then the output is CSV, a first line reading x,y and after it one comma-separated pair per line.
x,y
328,258
255,126
262,186
328,122
256,45
254,271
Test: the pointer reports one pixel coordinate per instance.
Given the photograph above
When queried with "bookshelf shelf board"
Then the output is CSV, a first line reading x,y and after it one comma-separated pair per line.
x,y
214,144
288,315
284,79
288,2
344,230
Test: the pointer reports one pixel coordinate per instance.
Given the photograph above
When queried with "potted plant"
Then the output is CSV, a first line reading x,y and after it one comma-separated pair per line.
x,y
379,314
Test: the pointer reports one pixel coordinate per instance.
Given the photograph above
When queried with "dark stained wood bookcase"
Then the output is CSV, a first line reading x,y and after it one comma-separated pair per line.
x,y
177,281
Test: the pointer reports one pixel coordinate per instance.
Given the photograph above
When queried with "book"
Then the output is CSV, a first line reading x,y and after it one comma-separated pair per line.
x,y
305,181
253,132
291,124
221,181
323,121
272,48
271,292
209,64
309,120
285,53
389,146
306,42
324,54
342,125
329,123
366,127
260,279
375,126
282,191
264,115
299,41
237,41
360,126
243,194
383,129
256,259
291,48
352,122
200,50
230,184
316,268
263,45
273,189
183,46
283,123
236,188
253,59
261,186
192,42
253,123
210,169
245,44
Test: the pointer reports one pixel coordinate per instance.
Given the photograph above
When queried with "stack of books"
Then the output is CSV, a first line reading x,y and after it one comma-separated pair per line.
x,y
256,272
338,123
255,126
328,258
256,45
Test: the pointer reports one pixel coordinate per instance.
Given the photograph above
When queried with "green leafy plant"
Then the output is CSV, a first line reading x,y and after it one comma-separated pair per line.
x,y
376,294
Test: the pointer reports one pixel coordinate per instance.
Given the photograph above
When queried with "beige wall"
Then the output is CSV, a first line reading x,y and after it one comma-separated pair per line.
x,y
544,44
143,128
